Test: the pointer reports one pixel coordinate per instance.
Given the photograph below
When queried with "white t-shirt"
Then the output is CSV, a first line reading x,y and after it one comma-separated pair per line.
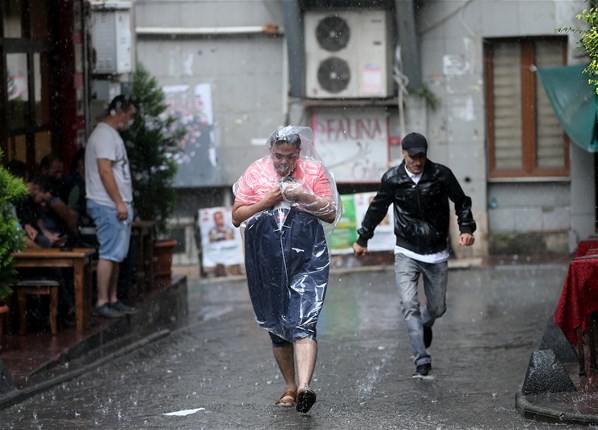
x,y
106,143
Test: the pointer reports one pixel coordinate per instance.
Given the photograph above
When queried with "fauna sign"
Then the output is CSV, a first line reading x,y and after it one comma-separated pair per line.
x,y
353,145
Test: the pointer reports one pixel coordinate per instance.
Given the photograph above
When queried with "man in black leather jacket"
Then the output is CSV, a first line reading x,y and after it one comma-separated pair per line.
x,y
419,190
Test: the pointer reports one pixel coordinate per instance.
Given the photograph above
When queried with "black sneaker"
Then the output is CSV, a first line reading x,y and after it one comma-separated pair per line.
x,y
122,308
427,336
422,370
106,311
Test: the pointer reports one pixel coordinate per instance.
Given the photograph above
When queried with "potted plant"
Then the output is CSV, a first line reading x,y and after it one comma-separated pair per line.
x,y
12,236
152,146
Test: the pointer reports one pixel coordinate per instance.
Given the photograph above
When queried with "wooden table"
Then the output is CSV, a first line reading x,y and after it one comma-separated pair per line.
x,y
577,303
80,260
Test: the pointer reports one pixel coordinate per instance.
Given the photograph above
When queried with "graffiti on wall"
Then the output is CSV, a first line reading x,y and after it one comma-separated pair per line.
x,y
192,108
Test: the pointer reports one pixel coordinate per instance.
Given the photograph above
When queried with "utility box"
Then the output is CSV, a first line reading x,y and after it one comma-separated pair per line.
x,y
111,37
105,90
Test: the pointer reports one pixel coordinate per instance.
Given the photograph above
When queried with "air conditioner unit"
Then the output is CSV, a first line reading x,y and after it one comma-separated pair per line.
x,y
348,54
111,37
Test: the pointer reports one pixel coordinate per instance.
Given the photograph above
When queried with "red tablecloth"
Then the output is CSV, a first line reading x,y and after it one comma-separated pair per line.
x,y
579,297
584,245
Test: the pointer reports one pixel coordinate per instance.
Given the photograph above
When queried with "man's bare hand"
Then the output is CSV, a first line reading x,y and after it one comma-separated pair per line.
x,y
359,250
122,212
273,197
293,192
466,239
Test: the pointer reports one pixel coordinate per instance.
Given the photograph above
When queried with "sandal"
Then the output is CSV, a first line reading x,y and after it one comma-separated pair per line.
x,y
286,403
305,400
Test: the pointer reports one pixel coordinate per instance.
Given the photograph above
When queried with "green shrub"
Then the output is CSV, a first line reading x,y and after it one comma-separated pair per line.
x,y
152,144
12,236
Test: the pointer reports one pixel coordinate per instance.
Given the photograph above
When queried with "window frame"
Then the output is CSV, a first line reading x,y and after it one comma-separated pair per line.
x,y
529,168
29,46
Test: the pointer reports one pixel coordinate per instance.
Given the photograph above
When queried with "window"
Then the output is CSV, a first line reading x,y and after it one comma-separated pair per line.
x,y
525,138
26,108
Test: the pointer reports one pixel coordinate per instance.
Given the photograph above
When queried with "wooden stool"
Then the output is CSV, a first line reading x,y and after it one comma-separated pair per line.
x,y
46,287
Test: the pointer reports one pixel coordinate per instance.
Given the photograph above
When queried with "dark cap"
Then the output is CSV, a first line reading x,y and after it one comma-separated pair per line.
x,y
415,143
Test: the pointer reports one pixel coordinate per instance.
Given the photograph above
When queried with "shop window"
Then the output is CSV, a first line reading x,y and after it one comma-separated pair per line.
x,y
525,138
39,19
12,19
17,90
26,108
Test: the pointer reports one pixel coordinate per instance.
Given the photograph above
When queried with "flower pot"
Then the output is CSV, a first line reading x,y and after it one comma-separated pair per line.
x,y
162,262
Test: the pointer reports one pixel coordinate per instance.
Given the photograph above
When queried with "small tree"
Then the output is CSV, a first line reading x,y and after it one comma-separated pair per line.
x,y
588,41
12,236
152,144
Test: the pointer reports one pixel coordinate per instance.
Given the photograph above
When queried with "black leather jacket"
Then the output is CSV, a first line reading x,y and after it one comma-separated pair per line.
x,y
421,211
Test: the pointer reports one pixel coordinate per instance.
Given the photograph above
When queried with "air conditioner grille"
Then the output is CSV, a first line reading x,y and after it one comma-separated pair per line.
x,y
348,53
334,74
333,33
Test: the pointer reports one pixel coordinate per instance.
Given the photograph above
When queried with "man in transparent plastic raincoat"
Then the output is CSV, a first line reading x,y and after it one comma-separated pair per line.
x,y
282,200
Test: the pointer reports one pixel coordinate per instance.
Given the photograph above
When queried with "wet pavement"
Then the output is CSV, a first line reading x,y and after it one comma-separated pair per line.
x,y
217,371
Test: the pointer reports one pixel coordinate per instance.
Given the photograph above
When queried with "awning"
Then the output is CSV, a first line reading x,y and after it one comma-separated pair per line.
x,y
574,102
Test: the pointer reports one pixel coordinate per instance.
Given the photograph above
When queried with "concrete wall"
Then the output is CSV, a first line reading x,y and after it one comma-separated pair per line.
x,y
245,75
248,77
452,62
245,71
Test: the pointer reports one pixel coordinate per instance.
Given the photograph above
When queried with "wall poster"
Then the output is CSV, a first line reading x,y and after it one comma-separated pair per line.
x,y
354,208
221,243
192,108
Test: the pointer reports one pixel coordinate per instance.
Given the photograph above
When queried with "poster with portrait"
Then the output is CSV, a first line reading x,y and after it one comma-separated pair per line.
x,y
220,241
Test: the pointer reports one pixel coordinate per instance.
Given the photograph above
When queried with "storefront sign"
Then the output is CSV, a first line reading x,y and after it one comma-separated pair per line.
x,y
353,145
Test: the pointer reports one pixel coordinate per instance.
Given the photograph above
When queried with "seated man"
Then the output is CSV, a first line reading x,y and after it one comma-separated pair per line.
x,y
52,167
27,210
58,222
30,214
73,194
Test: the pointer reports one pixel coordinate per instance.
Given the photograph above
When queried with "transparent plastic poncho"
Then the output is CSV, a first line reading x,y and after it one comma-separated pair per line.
x,y
287,259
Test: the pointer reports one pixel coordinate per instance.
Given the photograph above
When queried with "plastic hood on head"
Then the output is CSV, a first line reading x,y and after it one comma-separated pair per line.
x,y
310,187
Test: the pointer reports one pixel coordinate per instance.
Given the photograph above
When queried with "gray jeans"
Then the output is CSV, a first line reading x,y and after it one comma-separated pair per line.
x,y
435,278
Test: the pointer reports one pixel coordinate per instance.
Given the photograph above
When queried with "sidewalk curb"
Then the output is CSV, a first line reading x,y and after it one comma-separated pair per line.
x,y
453,265
16,396
542,413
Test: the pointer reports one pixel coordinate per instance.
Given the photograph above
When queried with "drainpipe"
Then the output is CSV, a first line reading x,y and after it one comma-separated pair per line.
x,y
293,31
409,42
85,11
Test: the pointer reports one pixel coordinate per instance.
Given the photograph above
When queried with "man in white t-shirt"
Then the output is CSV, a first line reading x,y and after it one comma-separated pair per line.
x,y
109,192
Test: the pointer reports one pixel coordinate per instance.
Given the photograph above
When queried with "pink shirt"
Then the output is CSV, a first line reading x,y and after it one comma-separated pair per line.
x,y
260,177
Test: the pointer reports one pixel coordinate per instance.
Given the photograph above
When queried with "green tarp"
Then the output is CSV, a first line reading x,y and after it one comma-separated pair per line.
x,y
573,101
